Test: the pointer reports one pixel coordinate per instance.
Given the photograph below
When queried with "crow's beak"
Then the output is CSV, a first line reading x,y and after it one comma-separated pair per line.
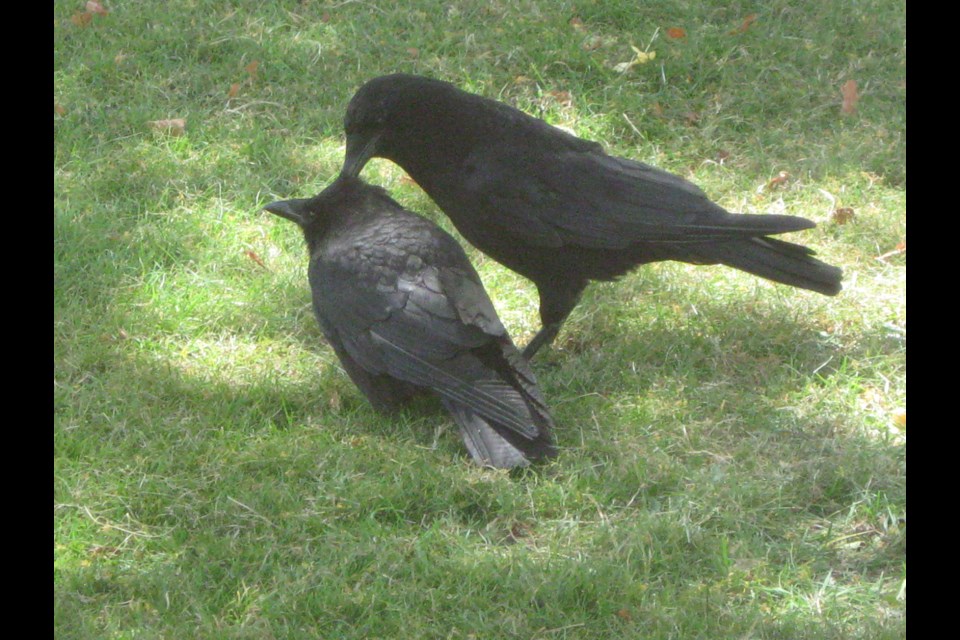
x,y
293,210
360,148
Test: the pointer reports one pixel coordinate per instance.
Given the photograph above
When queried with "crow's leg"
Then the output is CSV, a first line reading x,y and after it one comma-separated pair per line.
x,y
557,300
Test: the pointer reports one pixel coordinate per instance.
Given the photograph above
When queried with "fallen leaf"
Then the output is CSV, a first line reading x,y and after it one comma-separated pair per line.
x,y
676,33
413,52
81,19
518,530
562,97
576,23
779,180
900,417
98,550
59,110
691,118
234,90
95,7
253,256
656,110
850,96
405,179
252,68
749,20
900,249
324,17
722,155
624,614
592,43
119,58
842,215
642,57
175,127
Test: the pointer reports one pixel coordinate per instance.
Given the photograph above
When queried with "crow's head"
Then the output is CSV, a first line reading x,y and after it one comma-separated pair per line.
x,y
297,210
367,121
313,215
344,198
387,115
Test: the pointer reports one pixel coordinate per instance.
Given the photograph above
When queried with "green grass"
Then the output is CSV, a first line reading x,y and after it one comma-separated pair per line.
x,y
731,463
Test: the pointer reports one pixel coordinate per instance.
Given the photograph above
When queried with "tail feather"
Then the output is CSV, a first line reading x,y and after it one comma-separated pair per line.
x,y
492,447
776,260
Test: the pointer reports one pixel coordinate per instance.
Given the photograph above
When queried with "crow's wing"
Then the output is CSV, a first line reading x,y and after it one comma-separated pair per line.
x,y
384,392
591,199
429,329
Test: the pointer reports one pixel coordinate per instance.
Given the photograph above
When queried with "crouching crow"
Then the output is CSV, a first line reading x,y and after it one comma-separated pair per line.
x,y
405,311
553,207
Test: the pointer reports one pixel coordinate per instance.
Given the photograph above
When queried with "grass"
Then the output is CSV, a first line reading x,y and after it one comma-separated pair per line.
x,y
732,463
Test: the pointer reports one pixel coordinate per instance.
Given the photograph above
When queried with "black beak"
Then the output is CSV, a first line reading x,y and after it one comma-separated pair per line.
x,y
293,210
360,148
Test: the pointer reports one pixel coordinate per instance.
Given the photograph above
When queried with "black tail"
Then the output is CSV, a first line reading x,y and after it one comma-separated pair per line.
x,y
491,441
497,447
775,260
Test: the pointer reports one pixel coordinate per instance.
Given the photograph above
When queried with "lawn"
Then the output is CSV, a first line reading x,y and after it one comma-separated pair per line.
x,y
732,452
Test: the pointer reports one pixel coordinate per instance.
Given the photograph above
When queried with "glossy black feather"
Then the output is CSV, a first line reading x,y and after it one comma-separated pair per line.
x,y
405,311
556,208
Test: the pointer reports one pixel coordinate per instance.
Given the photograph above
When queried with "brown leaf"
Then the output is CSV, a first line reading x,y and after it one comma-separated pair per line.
x,y
850,97
779,180
624,614
407,180
842,215
691,118
95,7
58,109
900,417
576,23
252,68
722,155
656,110
562,97
676,33
325,17
900,250
592,43
81,19
413,52
253,256
234,90
749,20
175,127
518,530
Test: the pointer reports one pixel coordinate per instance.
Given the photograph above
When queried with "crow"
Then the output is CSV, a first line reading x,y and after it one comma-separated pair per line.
x,y
405,312
556,208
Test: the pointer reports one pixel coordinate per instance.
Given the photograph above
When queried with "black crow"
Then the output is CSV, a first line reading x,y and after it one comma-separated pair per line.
x,y
405,311
553,207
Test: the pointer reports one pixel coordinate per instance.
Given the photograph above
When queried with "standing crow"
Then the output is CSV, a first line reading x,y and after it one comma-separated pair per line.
x,y
404,310
553,207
